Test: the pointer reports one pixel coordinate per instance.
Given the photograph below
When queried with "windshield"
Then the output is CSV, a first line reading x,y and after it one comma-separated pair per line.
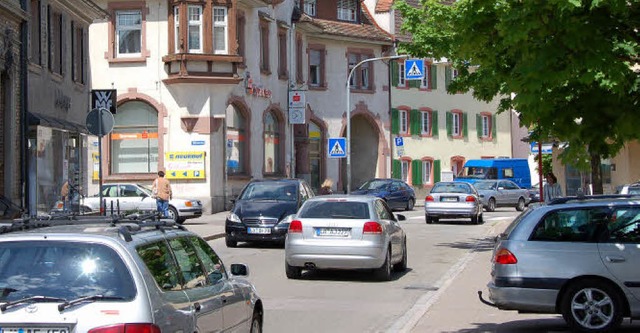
x,y
146,188
477,172
485,185
270,191
66,270
335,209
374,185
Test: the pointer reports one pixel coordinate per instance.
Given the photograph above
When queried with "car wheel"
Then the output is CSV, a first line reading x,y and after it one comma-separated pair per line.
x,y
491,206
428,219
256,322
181,220
592,306
402,265
410,204
230,242
384,272
520,206
173,214
292,272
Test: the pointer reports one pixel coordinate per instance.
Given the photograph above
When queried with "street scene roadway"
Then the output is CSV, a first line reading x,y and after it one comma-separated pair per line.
x,y
449,262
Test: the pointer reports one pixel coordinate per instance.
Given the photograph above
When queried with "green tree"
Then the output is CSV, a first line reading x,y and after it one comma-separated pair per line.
x,y
567,66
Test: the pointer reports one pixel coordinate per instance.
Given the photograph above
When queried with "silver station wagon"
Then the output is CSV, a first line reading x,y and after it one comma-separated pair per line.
x,y
346,232
579,257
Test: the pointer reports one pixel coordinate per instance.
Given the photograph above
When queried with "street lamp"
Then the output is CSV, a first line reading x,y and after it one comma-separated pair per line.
x,y
349,112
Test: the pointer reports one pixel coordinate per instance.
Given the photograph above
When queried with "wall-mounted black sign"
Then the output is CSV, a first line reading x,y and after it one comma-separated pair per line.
x,y
104,99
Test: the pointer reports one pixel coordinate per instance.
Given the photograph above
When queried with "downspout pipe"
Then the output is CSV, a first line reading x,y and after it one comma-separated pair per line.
x,y
24,128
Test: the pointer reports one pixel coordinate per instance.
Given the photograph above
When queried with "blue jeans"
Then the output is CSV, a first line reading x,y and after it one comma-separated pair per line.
x,y
163,207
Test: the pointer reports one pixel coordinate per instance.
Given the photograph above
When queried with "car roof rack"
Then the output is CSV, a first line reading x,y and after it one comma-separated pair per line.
x,y
562,200
130,224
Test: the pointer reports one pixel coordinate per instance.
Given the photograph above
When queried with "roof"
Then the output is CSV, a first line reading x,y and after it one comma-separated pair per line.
x,y
383,6
366,30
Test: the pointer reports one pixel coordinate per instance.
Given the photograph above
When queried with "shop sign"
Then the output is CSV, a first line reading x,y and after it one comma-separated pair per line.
x,y
96,165
258,91
185,165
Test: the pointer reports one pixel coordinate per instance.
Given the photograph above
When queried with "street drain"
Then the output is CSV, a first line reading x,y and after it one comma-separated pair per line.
x,y
419,287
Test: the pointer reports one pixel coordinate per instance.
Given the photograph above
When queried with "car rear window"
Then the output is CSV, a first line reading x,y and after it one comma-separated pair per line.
x,y
451,188
335,209
68,270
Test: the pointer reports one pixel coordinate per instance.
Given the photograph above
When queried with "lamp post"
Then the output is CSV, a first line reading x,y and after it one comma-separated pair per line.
x,y
349,111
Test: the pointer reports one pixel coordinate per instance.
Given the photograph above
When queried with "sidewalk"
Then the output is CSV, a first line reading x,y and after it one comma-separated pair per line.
x,y
208,226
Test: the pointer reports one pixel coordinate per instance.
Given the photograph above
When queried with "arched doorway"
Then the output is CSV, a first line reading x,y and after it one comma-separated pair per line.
x,y
364,151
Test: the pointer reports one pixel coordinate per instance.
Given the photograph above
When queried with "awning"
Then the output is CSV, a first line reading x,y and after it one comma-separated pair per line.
x,y
49,121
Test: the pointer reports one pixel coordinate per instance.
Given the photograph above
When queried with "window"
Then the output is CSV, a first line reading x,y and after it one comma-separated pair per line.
x,y
299,76
220,27
237,142
428,80
425,117
456,124
271,144
624,226
241,23
36,52
404,170
158,259
571,225
190,267
426,171
213,266
55,41
403,118
347,10
195,29
283,71
310,7
316,67
128,33
176,35
361,77
264,46
450,74
486,126
401,79
77,53
134,139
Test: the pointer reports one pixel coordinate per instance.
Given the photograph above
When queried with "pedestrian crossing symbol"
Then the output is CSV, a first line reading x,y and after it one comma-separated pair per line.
x,y
337,147
414,69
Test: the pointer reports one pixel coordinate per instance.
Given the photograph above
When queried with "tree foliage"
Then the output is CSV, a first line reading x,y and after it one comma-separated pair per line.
x,y
567,66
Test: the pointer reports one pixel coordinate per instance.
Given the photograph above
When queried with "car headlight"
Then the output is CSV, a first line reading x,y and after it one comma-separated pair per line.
x,y
234,218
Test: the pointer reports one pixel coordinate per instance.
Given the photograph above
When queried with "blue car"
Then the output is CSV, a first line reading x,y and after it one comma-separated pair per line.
x,y
396,193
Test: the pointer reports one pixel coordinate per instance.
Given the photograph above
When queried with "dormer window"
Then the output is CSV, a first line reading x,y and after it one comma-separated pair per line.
x,y
347,10
309,6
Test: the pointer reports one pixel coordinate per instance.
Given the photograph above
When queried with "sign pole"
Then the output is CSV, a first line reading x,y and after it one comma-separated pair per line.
x,y
102,211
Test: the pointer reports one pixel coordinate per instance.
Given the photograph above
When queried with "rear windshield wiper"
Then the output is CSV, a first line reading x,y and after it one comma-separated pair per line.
x,y
31,299
82,299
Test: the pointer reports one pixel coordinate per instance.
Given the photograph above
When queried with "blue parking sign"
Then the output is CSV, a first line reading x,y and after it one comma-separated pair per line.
x,y
399,141
414,69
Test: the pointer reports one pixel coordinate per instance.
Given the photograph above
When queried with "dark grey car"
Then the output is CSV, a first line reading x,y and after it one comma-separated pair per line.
x,y
579,257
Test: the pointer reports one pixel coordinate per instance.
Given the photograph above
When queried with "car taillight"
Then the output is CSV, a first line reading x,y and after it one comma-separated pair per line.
x,y
127,328
372,228
505,257
295,226
429,198
470,198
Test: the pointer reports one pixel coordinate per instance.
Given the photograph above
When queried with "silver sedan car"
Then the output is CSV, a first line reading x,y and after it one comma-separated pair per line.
x,y
453,200
346,232
502,193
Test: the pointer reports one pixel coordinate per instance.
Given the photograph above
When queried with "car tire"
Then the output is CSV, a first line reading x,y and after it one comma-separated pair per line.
x,y
384,272
491,205
292,272
428,219
402,265
583,299
410,204
173,214
256,322
181,220
520,206
230,242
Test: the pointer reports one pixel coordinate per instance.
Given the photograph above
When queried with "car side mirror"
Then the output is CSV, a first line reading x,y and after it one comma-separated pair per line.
x,y
239,270
144,195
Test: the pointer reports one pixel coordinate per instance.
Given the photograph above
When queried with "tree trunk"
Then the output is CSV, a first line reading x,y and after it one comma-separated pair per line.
x,y
596,173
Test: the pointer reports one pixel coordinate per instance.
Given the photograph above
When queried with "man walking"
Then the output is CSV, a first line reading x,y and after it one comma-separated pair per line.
x,y
162,191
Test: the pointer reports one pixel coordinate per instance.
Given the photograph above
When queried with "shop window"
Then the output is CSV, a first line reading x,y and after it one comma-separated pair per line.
x,y
134,139
272,149
236,142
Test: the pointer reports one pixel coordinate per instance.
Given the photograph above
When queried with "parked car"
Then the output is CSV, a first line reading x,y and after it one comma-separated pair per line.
x,y
263,210
346,232
453,200
578,257
127,197
397,194
95,274
534,193
501,193
633,188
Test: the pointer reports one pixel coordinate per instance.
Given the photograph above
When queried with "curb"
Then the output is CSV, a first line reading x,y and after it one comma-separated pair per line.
x,y
214,236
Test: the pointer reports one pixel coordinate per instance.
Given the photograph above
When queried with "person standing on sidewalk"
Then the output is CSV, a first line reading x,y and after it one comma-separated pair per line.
x,y
551,189
162,192
64,195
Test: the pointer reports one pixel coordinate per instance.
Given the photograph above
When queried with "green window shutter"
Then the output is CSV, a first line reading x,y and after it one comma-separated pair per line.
x,y
416,168
494,127
465,130
447,76
479,125
416,121
414,83
434,77
449,124
395,125
394,73
434,123
396,169
436,171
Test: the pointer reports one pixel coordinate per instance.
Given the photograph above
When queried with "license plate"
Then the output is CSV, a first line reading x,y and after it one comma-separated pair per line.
x,y
450,199
332,232
261,231
33,330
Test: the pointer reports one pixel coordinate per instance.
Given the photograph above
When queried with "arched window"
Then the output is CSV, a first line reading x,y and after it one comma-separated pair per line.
x,y
272,158
236,142
134,139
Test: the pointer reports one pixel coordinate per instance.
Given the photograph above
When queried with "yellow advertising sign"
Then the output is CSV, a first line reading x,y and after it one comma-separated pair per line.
x,y
96,165
184,165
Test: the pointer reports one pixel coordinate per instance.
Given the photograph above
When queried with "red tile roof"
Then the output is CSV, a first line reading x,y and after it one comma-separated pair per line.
x,y
367,29
383,6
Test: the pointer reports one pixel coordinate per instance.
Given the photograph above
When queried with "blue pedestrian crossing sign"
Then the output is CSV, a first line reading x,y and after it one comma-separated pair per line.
x,y
337,147
414,69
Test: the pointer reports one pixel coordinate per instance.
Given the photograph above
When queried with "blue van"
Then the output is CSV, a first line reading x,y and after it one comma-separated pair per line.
x,y
514,169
